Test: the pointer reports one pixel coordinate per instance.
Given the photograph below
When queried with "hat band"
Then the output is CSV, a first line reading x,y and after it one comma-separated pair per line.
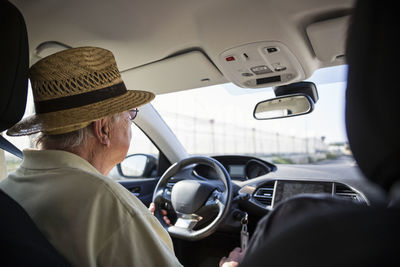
x,y
75,101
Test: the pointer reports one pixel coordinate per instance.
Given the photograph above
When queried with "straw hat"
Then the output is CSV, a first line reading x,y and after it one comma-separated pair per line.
x,y
74,87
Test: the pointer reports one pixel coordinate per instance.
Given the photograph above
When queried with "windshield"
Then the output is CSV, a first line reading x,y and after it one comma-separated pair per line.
x,y
218,120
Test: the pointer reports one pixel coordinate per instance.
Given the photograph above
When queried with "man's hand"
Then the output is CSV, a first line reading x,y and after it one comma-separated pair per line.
x,y
152,208
233,259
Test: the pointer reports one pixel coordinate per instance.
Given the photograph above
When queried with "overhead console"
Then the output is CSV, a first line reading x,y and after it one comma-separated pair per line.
x,y
261,64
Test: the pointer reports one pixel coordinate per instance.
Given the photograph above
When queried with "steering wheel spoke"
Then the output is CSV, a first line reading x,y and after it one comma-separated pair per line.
x,y
187,221
214,199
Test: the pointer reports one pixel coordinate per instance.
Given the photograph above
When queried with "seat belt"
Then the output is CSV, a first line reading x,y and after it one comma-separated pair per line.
x,y
7,146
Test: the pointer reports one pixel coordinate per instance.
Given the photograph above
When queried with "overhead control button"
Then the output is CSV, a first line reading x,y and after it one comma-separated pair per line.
x,y
278,67
247,74
230,58
271,49
261,69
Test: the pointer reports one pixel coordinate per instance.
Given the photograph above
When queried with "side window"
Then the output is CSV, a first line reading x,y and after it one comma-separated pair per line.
x,y
9,162
141,160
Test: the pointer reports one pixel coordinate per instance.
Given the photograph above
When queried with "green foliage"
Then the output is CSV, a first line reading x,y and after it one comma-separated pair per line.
x,y
281,160
330,155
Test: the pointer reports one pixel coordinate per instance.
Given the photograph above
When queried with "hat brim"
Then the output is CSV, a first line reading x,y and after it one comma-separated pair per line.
x,y
68,120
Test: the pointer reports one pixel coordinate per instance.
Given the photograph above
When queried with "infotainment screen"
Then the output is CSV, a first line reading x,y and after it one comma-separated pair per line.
x,y
287,189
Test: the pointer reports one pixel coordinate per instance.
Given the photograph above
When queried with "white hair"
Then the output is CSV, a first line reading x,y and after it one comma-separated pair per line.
x,y
63,141
73,139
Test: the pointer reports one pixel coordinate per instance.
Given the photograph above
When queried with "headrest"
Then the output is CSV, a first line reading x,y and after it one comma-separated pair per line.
x,y
372,96
14,65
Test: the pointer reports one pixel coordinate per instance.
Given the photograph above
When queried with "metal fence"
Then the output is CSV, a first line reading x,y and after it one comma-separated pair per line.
x,y
203,136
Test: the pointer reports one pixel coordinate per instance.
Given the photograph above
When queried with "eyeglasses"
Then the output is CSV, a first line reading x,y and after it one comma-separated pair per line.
x,y
133,113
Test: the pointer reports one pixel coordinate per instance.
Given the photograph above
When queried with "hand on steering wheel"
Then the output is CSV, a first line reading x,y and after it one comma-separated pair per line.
x,y
152,209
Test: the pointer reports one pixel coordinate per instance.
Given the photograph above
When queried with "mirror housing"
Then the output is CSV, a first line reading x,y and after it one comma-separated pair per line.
x,y
138,165
283,107
307,88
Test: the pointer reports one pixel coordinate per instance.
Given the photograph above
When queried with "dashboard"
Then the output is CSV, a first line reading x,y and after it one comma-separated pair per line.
x,y
269,194
239,167
263,185
258,185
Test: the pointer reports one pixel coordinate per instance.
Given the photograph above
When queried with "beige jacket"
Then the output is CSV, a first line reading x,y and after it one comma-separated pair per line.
x,y
90,219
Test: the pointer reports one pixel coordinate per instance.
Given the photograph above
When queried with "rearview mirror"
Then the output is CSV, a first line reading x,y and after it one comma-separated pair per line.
x,y
284,106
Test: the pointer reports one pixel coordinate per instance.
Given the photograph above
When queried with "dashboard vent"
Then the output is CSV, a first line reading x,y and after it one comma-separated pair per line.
x,y
265,193
346,192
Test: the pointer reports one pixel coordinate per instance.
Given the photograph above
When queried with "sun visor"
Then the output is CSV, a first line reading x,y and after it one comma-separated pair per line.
x,y
184,71
328,39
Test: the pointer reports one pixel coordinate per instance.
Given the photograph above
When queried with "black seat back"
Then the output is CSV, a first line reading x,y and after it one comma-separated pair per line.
x,y
372,96
13,70
21,242
315,231
14,66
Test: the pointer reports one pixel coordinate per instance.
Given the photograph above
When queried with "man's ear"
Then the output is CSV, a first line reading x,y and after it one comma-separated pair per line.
x,y
101,131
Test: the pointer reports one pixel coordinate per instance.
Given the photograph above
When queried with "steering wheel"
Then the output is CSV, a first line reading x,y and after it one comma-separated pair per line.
x,y
190,196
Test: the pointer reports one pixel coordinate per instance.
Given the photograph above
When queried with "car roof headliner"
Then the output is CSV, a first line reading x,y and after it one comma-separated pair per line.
x,y
144,33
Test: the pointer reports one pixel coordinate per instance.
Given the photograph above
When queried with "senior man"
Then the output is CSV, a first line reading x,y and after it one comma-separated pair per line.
x,y
84,114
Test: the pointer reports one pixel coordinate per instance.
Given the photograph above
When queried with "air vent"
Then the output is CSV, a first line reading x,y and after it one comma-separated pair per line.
x,y
265,193
343,191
